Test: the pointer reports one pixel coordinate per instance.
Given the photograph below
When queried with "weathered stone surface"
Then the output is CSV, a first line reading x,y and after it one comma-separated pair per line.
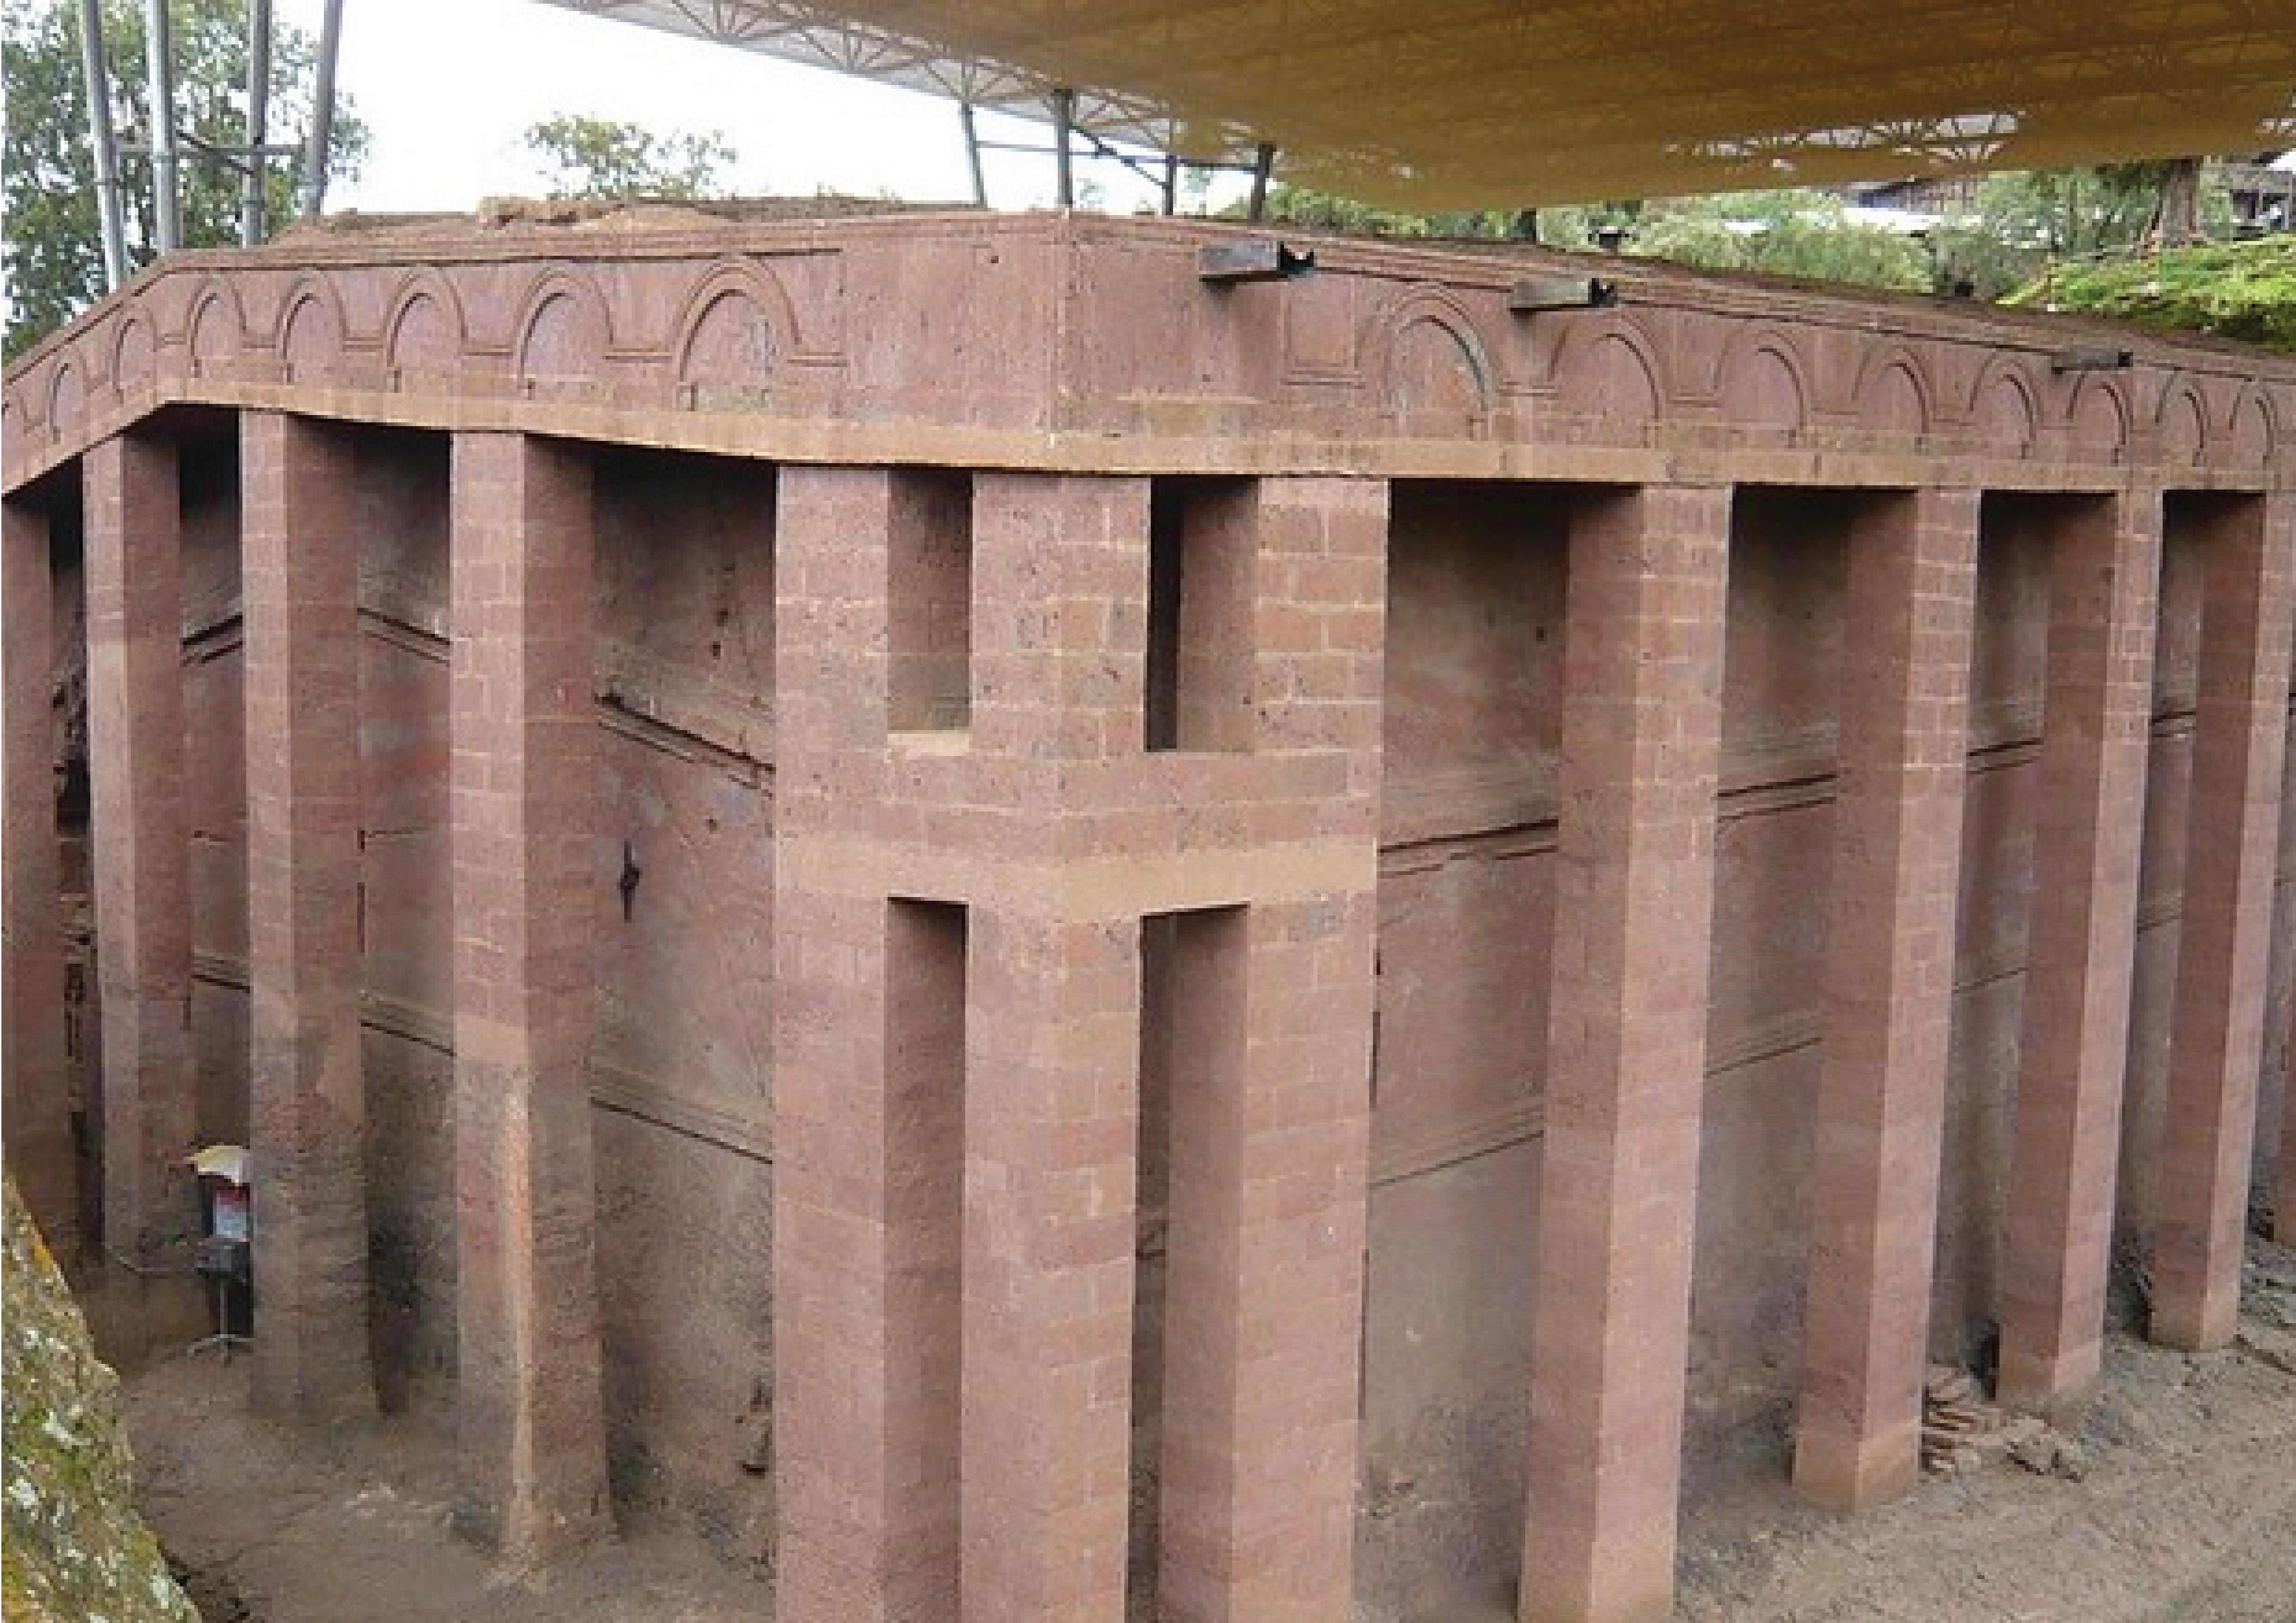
x,y
77,1551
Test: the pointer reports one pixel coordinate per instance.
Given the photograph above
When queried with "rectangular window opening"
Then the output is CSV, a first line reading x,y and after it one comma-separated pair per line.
x,y
930,602
1203,576
1191,1098
924,1126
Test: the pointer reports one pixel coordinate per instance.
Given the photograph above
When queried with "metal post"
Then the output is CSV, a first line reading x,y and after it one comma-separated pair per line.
x,y
252,201
166,196
973,153
1263,166
322,112
100,137
1064,169
1171,182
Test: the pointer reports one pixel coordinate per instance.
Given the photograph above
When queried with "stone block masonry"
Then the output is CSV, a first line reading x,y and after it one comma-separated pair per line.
x,y
2224,948
38,1110
524,786
1889,1007
1633,900
142,904
2057,1232
306,1092
1064,944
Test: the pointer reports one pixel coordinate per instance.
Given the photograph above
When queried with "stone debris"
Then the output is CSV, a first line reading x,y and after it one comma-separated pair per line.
x,y
1963,1431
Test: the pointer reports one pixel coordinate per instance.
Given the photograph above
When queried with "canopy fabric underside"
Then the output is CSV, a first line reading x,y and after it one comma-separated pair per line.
x,y
1472,103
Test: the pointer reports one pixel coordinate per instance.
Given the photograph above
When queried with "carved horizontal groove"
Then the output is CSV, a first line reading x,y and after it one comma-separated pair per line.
x,y
612,1088
1454,1143
2015,740
698,732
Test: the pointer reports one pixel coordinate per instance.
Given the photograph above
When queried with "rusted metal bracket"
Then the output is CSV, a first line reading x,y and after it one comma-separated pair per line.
x,y
2092,358
1252,259
1533,294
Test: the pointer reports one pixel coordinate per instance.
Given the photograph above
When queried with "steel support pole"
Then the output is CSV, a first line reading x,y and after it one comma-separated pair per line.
x,y
973,153
166,192
253,203
1063,162
1263,168
1171,182
100,137
323,112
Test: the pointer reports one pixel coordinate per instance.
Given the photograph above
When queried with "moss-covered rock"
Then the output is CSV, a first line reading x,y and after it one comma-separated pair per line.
x,y
76,1551
2233,289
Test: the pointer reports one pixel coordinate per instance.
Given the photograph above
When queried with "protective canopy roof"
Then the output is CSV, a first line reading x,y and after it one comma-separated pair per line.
x,y
1472,103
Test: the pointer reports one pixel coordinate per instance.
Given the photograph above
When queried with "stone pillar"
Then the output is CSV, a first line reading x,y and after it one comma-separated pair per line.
x,y
868,1099
1270,1098
37,1107
524,781
2283,1182
142,857
1050,1119
1053,1046
2105,584
1889,996
2224,951
1627,1049
306,1105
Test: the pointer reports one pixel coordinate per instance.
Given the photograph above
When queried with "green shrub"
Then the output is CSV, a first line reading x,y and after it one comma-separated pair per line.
x,y
2244,290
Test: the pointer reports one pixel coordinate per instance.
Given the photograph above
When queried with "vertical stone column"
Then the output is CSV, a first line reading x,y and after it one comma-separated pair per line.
x,y
142,858
1627,1049
1271,1105
37,1107
1889,994
868,1089
2104,587
523,783
2283,1182
1053,1040
307,1104
1050,1118
2224,951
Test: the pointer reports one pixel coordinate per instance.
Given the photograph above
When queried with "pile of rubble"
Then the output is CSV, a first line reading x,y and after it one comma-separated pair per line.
x,y
1963,1431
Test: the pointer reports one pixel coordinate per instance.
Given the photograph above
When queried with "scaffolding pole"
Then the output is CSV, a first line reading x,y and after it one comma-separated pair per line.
x,y
1063,164
252,202
973,153
100,138
167,190
322,112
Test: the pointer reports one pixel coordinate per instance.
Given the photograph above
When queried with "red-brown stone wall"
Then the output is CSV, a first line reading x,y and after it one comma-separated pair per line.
x,y
1064,361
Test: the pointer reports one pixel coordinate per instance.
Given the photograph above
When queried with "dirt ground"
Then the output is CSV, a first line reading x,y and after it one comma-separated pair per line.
x,y
2173,1501
266,1523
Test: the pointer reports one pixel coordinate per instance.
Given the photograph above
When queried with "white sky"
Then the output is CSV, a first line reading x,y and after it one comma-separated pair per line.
x,y
446,87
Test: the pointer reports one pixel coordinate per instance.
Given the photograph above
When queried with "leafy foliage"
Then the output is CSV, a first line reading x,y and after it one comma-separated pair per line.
x,y
2235,289
2024,220
55,251
1792,233
586,157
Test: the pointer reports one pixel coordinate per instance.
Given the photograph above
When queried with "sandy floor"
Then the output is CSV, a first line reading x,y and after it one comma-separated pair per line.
x,y
2183,1512
269,1524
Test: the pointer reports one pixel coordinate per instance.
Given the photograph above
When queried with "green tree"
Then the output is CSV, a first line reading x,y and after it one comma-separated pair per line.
x,y
2025,221
1790,233
586,157
54,249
